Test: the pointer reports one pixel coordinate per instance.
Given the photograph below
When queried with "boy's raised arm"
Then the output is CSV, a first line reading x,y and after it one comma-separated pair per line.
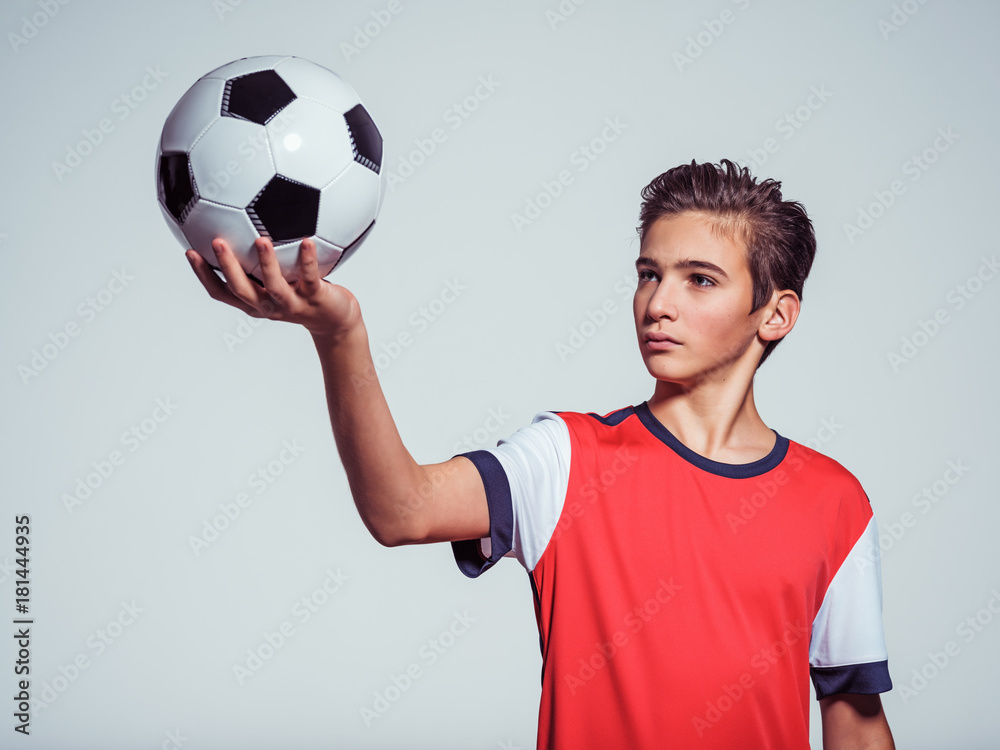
x,y
400,501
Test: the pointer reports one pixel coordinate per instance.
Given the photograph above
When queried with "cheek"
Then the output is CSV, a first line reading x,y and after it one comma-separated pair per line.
x,y
717,323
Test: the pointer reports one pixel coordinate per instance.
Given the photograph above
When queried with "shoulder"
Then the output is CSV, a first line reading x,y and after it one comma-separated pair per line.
x,y
556,421
818,464
597,423
825,476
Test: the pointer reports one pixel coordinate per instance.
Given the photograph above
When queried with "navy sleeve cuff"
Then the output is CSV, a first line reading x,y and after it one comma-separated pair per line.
x,y
865,679
467,552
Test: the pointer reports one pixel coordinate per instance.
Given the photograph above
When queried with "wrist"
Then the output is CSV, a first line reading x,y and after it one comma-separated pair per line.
x,y
342,327
335,337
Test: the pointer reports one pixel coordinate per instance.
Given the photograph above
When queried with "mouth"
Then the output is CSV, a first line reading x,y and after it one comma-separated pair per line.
x,y
658,341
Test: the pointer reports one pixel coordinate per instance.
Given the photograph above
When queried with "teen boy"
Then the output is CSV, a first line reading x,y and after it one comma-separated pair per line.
x,y
691,568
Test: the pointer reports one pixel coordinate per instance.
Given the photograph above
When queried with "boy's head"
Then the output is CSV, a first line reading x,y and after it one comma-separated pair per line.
x,y
777,235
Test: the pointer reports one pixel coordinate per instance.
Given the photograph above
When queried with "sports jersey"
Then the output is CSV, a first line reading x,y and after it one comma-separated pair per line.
x,y
682,602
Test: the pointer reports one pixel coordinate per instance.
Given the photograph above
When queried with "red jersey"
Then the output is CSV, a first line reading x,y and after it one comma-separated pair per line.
x,y
682,602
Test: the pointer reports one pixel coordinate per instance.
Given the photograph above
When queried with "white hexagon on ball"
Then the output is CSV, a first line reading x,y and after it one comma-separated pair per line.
x,y
347,206
228,168
209,220
192,116
303,129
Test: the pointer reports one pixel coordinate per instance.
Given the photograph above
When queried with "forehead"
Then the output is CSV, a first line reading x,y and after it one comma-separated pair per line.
x,y
694,236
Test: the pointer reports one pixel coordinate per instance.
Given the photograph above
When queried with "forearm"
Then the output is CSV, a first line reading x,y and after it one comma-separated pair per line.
x,y
380,470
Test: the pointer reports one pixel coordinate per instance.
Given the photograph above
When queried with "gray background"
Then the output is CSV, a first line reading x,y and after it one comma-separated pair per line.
x,y
494,348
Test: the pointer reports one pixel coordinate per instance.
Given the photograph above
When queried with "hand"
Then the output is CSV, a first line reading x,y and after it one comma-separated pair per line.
x,y
326,310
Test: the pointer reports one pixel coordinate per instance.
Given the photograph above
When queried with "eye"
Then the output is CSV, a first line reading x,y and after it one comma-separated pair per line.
x,y
702,281
646,275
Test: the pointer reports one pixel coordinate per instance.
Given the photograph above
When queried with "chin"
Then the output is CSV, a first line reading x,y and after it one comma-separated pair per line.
x,y
670,374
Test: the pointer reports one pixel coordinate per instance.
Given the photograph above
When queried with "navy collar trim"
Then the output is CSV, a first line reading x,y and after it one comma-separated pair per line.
x,y
734,471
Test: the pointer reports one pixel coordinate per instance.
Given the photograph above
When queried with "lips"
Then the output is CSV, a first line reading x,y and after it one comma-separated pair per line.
x,y
659,336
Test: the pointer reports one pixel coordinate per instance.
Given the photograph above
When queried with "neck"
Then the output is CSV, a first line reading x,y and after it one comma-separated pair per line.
x,y
716,419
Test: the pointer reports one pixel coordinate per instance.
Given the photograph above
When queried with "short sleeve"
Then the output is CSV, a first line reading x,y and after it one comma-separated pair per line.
x,y
525,478
847,653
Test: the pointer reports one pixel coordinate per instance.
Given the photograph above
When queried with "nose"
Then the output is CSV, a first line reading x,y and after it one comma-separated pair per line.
x,y
660,303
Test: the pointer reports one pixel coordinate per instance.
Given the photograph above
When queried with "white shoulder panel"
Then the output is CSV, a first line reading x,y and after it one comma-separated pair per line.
x,y
848,627
536,460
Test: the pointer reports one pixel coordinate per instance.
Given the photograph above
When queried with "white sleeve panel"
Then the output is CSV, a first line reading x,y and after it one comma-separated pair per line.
x,y
536,460
848,627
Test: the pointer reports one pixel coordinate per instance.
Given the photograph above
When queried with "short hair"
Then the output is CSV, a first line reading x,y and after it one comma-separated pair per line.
x,y
777,233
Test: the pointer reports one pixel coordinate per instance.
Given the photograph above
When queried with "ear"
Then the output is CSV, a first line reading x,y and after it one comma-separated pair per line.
x,y
780,315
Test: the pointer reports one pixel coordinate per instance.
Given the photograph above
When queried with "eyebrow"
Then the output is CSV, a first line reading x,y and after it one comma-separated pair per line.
x,y
682,265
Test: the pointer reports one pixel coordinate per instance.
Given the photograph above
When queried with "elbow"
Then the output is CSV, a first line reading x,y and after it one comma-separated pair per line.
x,y
396,534
388,538
393,523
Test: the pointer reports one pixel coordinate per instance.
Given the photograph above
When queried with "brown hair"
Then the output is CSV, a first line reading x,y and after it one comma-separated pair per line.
x,y
777,233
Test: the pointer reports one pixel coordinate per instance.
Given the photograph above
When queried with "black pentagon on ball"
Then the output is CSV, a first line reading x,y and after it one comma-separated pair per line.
x,y
365,138
176,185
285,210
256,96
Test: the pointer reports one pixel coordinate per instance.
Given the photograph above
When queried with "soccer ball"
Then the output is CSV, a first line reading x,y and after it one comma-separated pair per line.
x,y
275,147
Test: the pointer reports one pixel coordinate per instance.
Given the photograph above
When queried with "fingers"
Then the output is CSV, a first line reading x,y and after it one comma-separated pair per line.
x,y
275,298
309,278
215,287
274,283
237,279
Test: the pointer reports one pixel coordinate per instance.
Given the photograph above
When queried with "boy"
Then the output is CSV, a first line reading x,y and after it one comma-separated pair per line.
x,y
691,567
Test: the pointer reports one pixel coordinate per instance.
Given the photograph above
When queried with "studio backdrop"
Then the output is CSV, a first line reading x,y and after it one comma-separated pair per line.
x,y
181,561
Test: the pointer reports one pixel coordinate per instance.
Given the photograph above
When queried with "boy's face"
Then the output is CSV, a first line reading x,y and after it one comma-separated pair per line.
x,y
694,287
